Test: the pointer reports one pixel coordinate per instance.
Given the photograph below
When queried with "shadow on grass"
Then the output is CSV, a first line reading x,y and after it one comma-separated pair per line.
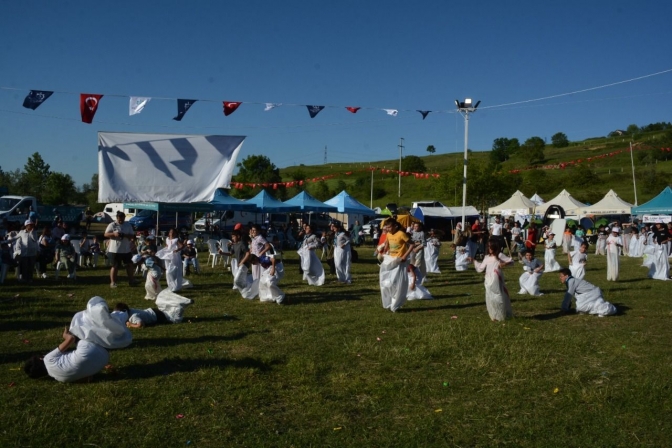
x,y
437,308
316,297
32,325
621,309
169,366
173,342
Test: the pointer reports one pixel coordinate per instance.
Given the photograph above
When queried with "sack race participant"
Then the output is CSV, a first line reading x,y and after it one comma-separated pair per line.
x,y
660,263
550,263
432,253
169,310
613,244
313,271
532,272
153,281
497,299
635,247
272,272
589,298
393,277
172,257
92,331
577,261
342,254
415,289
461,255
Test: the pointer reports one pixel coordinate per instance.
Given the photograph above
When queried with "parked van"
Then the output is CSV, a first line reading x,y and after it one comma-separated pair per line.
x,y
114,207
146,219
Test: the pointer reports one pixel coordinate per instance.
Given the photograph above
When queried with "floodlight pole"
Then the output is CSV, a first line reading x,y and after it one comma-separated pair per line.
x,y
371,204
464,108
401,147
632,163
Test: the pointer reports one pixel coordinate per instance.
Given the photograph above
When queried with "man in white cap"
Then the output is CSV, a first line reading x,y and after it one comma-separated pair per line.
x,y
190,258
66,255
119,248
613,245
27,246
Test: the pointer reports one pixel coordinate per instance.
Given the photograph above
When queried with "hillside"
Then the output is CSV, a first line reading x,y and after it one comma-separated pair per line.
x,y
609,167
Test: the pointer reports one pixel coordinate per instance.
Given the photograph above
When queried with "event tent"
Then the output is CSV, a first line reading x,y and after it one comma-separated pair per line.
x,y
518,203
349,205
565,200
610,204
660,205
222,201
266,203
307,203
537,199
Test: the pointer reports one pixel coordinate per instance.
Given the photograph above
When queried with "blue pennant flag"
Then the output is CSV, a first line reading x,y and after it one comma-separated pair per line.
x,y
35,98
182,108
314,110
424,113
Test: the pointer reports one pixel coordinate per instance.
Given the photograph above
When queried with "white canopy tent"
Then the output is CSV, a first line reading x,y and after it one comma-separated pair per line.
x,y
610,204
565,200
518,203
537,199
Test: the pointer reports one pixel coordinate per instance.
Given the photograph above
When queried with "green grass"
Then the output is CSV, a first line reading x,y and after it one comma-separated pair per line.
x,y
314,372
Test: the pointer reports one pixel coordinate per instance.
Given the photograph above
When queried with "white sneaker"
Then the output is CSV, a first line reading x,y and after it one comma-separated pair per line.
x,y
44,275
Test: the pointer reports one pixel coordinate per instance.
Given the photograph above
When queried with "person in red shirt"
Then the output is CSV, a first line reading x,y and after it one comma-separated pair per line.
x,y
531,241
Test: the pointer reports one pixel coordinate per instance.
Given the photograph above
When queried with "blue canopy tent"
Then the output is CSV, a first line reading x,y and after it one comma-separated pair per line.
x,y
660,205
265,203
222,201
347,204
307,203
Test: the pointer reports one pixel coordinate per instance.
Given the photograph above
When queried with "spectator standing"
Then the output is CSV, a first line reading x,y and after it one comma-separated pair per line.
x,y
119,248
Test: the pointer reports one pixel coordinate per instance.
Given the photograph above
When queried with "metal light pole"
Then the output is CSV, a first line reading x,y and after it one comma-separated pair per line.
x,y
371,205
401,147
632,163
464,108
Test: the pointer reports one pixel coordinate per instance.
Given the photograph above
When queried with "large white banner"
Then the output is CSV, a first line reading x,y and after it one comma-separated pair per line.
x,y
164,167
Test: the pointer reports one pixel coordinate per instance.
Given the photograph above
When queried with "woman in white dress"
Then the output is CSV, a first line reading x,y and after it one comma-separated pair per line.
x,y
614,242
497,298
550,262
532,271
635,247
577,261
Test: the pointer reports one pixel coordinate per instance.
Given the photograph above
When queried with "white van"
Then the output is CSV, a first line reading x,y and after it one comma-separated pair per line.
x,y
113,208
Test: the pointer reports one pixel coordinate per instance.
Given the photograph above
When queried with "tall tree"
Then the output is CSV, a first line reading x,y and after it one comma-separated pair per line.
x,y
35,175
560,140
533,149
431,149
503,148
60,189
257,169
414,164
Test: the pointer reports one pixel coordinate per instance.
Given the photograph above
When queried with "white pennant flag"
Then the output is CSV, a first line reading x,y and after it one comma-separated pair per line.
x,y
392,112
270,106
136,104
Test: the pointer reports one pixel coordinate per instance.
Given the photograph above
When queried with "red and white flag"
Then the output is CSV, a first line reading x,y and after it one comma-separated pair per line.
x,y
230,107
88,105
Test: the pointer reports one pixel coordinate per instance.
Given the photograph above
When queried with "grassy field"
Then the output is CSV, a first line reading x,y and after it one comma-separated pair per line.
x,y
332,368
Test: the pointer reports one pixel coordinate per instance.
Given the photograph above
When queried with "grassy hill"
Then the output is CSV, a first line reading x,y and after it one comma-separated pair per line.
x,y
587,181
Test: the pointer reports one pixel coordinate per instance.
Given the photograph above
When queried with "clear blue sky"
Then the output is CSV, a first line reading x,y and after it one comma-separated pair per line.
x,y
374,54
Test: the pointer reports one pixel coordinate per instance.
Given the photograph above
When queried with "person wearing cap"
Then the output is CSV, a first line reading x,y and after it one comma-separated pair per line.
x,y
189,258
119,248
27,243
613,243
66,255
550,263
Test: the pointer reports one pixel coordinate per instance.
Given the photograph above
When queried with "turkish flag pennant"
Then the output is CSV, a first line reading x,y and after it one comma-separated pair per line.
x,y
275,186
353,109
230,107
88,105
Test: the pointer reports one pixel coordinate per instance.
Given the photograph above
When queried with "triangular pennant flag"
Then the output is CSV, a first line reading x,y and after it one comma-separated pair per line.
x,y
424,113
136,104
182,108
35,98
353,109
270,106
88,105
314,110
392,112
230,107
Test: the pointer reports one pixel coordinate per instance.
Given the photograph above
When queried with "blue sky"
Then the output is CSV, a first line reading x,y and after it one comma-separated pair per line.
x,y
377,54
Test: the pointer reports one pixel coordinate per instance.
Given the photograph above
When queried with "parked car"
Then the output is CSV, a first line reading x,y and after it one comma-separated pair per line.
x,y
199,226
146,219
366,228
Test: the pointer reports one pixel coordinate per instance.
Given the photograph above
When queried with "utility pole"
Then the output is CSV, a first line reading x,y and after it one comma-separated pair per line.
x,y
325,154
401,148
